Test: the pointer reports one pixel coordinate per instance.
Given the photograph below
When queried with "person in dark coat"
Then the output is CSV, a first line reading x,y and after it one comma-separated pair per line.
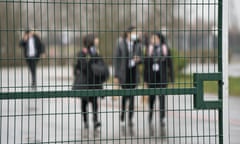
x,y
86,76
127,57
33,48
158,71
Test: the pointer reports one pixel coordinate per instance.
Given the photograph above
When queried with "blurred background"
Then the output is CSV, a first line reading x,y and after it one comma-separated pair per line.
x,y
189,25
61,25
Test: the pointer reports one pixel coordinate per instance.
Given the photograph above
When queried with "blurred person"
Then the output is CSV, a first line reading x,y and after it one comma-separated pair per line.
x,y
33,49
144,38
158,71
126,60
90,72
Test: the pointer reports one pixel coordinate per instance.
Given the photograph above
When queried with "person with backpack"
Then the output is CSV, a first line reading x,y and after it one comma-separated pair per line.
x,y
33,49
158,71
90,72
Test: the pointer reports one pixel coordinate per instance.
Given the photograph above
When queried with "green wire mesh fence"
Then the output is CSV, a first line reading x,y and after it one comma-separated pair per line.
x,y
111,71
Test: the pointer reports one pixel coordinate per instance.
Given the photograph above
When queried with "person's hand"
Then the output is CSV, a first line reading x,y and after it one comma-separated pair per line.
x,y
171,85
84,50
43,55
116,81
145,85
136,59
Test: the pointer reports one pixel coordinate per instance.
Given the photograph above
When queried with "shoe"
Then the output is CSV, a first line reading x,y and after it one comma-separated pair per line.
x,y
130,124
163,123
97,125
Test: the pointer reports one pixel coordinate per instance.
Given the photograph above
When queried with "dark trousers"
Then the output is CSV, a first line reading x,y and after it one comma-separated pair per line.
x,y
131,103
84,106
152,99
32,65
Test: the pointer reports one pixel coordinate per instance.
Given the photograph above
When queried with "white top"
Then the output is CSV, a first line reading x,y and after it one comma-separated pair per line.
x,y
130,47
31,47
131,62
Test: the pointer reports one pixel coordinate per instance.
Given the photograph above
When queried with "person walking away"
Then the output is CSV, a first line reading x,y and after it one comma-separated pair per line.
x,y
33,49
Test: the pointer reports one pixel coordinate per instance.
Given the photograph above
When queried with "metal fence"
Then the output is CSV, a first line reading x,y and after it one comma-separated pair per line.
x,y
169,49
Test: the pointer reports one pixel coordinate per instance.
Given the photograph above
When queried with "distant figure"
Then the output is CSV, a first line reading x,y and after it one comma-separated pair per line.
x,y
90,72
126,60
158,71
33,48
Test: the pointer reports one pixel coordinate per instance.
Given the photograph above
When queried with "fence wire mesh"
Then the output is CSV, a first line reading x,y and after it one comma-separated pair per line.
x,y
111,71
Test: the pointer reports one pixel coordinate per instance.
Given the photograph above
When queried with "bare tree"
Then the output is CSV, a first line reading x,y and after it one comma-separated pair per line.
x,y
9,26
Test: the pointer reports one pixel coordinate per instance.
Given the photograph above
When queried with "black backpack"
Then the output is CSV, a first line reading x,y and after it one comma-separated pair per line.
x,y
99,69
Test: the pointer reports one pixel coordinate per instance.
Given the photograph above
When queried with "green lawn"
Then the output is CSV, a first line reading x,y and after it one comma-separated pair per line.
x,y
211,87
182,81
234,86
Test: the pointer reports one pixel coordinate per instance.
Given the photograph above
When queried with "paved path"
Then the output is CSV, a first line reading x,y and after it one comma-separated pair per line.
x,y
44,120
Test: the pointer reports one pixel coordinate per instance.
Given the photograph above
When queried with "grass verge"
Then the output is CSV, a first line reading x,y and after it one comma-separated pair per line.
x,y
211,87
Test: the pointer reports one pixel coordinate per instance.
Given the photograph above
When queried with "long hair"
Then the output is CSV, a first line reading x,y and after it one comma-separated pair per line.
x,y
88,40
161,37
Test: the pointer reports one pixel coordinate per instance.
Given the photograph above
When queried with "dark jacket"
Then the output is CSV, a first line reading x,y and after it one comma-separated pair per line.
x,y
39,46
121,60
158,78
81,70
84,75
